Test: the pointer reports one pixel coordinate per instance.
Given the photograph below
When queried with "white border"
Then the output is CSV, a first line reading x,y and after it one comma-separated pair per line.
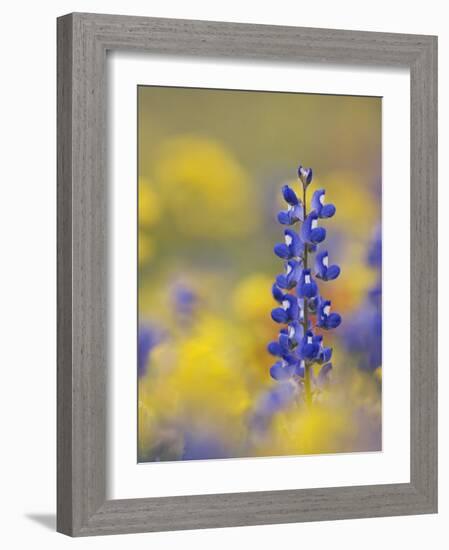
x,y
126,478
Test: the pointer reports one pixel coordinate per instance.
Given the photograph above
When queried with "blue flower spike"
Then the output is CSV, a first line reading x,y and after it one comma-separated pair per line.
x,y
323,270
323,210
298,348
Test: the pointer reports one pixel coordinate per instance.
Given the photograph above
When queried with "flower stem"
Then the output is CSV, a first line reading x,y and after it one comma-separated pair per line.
x,y
307,385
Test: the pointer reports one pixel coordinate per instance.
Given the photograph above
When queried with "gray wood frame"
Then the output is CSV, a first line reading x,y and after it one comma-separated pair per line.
x,y
83,40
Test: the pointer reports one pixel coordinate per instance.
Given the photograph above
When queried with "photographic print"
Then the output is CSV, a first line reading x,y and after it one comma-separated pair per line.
x,y
259,274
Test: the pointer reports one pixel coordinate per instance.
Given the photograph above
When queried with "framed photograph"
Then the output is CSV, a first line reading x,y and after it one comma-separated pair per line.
x,y
247,274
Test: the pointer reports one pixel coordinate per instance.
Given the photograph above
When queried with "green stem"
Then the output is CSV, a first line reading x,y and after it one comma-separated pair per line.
x,y
307,384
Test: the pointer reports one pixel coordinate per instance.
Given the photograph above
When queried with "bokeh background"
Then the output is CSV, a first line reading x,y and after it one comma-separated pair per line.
x,y
211,167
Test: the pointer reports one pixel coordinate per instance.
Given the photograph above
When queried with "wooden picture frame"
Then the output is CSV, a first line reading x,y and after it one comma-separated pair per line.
x,y
83,40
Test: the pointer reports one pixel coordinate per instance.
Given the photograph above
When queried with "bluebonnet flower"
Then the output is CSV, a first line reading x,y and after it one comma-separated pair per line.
x,y
326,319
294,212
310,232
292,248
323,210
290,278
322,268
289,311
298,347
307,287
309,348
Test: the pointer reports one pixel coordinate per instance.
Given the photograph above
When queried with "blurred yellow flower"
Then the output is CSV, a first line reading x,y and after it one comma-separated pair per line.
x,y
205,190
252,298
357,208
149,204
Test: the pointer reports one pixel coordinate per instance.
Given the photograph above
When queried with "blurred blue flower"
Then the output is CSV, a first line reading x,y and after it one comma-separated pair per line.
x,y
363,330
271,402
148,338
198,446
375,250
185,300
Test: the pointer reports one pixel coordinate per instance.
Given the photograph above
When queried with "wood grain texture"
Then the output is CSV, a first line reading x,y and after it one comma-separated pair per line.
x,y
83,40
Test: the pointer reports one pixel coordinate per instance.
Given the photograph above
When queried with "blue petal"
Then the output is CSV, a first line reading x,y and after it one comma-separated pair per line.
x,y
317,235
327,211
279,315
320,268
282,250
284,342
278,372
333,272
297,214
284,218
275,349
278,295
297,246
281,281
293,309
307,290
309,235
289,195
315,203
333,320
